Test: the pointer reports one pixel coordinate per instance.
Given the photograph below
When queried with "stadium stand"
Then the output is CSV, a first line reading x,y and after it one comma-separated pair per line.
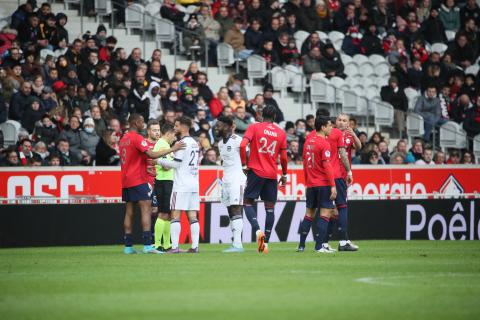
x,y
62,63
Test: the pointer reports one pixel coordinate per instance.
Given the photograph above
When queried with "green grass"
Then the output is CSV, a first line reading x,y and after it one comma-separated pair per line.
x,y
385,280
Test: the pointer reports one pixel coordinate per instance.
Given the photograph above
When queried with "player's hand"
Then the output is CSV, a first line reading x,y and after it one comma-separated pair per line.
x,y
349,179
333,194
351,132
180,145
246,170
283,180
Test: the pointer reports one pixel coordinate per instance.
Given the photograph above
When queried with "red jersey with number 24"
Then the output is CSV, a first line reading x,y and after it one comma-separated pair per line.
x,y
316,150
349,143
133,159
266,142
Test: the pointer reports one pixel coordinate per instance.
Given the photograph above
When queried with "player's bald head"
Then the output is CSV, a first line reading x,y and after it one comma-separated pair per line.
x,y
135,121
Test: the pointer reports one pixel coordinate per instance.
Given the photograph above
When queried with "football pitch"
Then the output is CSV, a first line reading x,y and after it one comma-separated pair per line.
x,y
384,280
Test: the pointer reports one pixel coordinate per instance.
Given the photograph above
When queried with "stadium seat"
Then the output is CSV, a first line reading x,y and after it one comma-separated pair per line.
x,y
383,114
473,69
323,36
292,72
415,126
337,39
452,135
164,31
450,35
301,36
351,69
44,53
67,2
412,96
345,58
256,68
225,56
360,59
439,48
339,85
351,81
10,130
321,91
376,59
134,16
366,69
382,69
103,7
280,80
152,11
476,148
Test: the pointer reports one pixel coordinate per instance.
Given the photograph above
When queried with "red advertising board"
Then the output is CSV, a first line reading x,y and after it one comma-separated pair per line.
x,y
103,183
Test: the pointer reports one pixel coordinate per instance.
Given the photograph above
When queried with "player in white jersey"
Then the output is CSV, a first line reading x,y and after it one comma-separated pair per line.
x,y
234,179
185,192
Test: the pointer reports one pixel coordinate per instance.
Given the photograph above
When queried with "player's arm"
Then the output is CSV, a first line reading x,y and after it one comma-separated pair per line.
x,y
247,138
180,145
284,162
330,177
344,158
356,141
178,158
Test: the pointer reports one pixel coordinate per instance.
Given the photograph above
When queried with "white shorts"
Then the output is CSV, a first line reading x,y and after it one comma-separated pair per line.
x,y
185,201
232,194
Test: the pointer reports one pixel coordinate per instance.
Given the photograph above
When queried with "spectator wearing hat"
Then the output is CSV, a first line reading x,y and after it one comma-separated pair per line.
x,y
89,138
450,15
32,115
61,34
187,103
433,29
393,94
20,101
332,64
270,101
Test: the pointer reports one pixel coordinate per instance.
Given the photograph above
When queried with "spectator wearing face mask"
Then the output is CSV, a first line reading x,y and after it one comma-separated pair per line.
x,y
89,138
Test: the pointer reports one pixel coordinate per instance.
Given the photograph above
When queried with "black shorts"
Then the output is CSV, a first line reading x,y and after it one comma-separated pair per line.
x,y
137,193
319,197
264,188
341,199
163,191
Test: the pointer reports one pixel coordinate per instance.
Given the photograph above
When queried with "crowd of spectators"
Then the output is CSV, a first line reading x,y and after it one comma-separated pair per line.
x,y
73,104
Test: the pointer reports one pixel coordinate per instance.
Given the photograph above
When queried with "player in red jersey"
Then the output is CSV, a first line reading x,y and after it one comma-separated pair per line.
x,y
319,179
153,134
134,151
350,141
267,141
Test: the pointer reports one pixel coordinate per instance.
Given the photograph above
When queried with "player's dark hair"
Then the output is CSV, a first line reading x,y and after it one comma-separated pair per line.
x,y
228,121
152,122
133,118
322,113
269,112
321,122
184,121
166,128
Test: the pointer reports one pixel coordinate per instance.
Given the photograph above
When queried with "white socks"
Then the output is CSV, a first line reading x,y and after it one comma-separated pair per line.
x,y
195,231
175,229
237,228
